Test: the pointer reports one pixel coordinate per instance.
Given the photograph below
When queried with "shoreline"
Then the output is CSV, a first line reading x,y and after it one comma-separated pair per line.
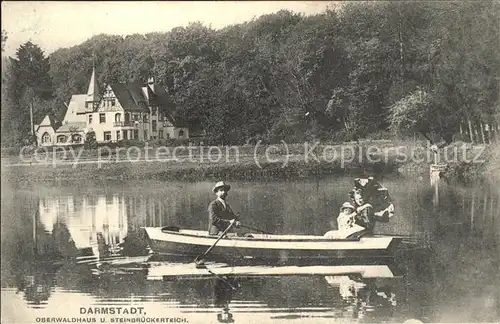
x,y
279,164
186,171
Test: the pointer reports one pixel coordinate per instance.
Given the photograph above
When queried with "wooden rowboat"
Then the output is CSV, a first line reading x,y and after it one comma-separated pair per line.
x,y
185,242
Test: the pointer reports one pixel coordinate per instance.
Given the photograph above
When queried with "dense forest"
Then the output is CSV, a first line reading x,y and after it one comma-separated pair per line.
x,y
366,69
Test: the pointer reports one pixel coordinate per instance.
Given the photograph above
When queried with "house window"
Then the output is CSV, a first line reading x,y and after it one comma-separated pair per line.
x,y
118,133
160,134
46,138
145,135
113,102
61,139
90,119
107,136
118,117
136,134
76,138
135,117
153,125
181,133
102,118
154,110
168,135
145,118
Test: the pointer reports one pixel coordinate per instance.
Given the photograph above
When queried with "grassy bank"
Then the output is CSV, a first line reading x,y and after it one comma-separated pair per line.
x,y
250,162
478,167
244,170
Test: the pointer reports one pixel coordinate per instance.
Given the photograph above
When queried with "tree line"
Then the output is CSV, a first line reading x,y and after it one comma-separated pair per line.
x,y
364,69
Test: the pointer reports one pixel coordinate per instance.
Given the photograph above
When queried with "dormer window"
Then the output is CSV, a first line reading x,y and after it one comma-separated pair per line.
x,y
46,138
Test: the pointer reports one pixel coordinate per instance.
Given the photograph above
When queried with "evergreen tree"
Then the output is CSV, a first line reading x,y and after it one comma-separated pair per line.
x,y
26,84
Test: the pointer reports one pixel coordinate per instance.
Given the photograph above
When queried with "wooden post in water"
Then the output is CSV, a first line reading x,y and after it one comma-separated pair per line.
x,y
482,132
492,213
463,202
471,133
435,171
472,210
35,243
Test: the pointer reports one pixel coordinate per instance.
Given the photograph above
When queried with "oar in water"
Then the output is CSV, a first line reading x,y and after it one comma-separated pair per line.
x,y
199,259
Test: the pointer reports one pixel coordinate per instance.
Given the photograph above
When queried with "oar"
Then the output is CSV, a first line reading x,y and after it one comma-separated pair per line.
x,y
199,260
255,229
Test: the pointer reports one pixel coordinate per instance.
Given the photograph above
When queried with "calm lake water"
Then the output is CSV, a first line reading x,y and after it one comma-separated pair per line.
x,y
447,270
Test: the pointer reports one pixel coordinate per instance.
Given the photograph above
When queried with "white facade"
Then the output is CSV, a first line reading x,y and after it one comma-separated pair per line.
x,y
111,117
45,132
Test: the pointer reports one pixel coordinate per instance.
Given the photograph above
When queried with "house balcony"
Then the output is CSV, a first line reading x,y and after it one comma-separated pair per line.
x,y
125,124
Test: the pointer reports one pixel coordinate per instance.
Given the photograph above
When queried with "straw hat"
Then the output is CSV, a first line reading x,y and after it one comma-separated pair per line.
x,y
347,205
221,184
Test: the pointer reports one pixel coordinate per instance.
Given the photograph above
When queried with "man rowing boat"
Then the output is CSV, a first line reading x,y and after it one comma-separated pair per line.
x,y
220,213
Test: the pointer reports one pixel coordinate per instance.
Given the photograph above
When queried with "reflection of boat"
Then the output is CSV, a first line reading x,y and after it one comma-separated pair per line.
x,y
264,246
170,271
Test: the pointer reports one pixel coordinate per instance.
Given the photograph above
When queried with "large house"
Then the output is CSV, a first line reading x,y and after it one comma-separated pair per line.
x,y
123,111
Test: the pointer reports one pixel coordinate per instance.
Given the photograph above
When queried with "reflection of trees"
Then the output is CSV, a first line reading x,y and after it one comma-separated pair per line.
x,y
135,243
62,238
36,279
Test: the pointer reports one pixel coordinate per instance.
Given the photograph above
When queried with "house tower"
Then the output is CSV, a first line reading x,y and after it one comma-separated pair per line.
x,y
93,93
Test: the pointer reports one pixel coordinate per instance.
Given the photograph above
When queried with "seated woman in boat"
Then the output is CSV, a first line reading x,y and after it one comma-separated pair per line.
x,y
370,203
364,211
377,196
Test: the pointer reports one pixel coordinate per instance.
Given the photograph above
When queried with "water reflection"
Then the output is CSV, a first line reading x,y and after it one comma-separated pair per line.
x,y
35,281
62,244
99,223
291,291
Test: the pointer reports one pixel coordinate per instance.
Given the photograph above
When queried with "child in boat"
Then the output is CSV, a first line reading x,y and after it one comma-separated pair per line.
x,y
345,222
346,217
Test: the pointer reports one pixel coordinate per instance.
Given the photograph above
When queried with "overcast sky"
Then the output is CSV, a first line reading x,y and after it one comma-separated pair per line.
x,y
53,25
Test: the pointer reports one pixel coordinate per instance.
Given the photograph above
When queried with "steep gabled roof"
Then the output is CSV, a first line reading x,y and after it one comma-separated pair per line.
x,y
159,96
93,92
77,104
49,120
130,96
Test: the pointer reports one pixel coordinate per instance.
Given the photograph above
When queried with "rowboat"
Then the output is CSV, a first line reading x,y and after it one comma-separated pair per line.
x,y
186,242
